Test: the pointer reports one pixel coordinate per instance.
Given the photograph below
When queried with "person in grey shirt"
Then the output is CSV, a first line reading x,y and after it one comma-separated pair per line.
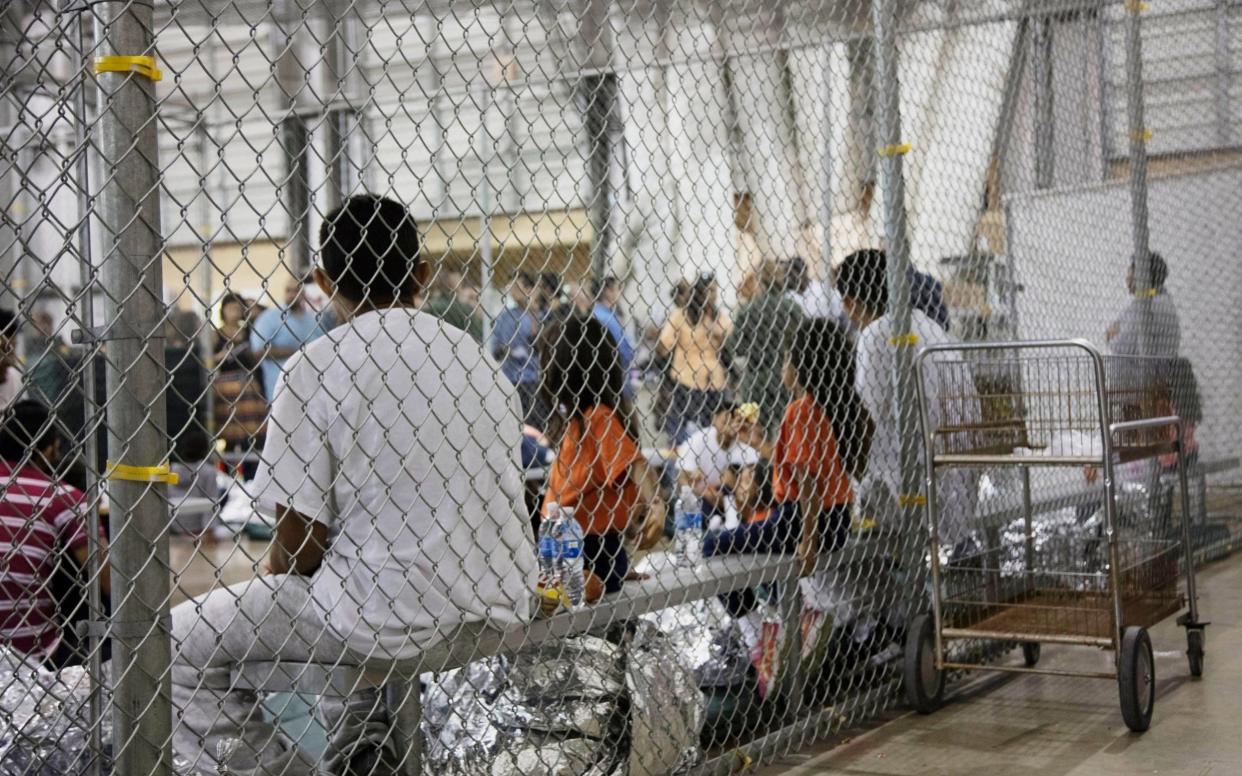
x,y
1125,335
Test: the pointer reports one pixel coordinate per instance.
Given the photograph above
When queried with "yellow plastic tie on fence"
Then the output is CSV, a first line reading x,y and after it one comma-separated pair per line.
x,y
121,471
1136,6
1141,134
142,65
912,500
901,149
906,340
743,759
1148,293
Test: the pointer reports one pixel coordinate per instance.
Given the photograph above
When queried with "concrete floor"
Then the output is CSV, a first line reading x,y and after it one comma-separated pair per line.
x,y
1055,726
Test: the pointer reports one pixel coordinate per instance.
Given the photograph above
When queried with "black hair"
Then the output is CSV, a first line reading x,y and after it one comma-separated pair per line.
x,y
699,303
823,360
1159,270
863,277
551,283
27,429
9,324
232,298
369,249
581,370
600,285
796,274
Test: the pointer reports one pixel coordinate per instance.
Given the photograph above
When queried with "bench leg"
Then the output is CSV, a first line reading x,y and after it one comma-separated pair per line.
x,y
405,711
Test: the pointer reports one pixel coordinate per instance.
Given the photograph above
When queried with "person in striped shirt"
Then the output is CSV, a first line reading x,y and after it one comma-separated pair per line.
x,y
41,520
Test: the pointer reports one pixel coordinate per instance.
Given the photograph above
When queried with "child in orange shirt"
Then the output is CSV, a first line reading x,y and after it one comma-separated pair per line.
x,y
823,439
599,471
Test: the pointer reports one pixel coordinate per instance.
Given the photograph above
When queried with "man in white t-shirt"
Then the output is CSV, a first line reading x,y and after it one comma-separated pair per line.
x,y
392,469
862,280
709,459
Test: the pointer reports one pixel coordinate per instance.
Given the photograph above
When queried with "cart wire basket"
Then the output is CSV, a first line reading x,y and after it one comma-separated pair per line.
x,y
1053,403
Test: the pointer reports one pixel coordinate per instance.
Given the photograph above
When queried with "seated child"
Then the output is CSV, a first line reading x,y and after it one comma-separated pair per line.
x,y
599,470
711,457
823,439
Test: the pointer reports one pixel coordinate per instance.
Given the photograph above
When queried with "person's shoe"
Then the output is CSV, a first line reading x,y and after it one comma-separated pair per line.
x,y
372,760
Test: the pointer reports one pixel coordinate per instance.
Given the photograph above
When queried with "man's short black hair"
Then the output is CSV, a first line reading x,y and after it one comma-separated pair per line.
x,y
1159,269
9,323
600,285
25,429
369,249
863,277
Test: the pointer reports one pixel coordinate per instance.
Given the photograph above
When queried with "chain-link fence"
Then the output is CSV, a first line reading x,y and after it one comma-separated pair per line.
x,y
527,387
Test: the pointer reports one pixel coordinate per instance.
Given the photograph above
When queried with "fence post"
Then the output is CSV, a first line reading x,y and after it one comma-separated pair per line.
x,y
892,150
1138,166
130,273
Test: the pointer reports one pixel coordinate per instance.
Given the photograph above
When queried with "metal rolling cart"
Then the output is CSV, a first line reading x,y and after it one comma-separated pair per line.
x,y
1051,403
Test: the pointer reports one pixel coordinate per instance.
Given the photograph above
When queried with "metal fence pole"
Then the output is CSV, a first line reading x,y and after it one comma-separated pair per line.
x,y
891,151
10,141
131,276
90,412
1138,165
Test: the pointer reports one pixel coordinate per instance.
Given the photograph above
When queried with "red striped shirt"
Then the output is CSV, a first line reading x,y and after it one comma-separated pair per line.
x,y
38,519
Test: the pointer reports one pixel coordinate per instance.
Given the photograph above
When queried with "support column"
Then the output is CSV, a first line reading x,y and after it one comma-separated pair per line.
x,y
891,151
1045,118
1223,85
12,206
289,41
346,91
1138,165
601,123
131,276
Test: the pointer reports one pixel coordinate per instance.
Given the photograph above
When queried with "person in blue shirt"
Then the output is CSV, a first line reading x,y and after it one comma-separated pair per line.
x,y
281,331
607,293
512,343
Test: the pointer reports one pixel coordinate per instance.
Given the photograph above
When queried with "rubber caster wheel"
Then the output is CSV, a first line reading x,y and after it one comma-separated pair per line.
x,y
1136,678
1030,653
924,683
1194,651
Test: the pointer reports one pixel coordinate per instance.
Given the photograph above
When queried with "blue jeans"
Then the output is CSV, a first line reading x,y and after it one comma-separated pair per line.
x,y
780,533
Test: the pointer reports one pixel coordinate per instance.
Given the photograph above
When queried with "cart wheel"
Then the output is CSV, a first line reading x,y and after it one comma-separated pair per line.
x,y
1194,651
924,682
1030,653
1136,676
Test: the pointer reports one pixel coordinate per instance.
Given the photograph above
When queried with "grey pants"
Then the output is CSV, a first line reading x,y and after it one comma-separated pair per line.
x,y
260,620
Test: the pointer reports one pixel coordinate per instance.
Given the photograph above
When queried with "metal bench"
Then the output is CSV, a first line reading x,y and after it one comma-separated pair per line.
x,y
399,682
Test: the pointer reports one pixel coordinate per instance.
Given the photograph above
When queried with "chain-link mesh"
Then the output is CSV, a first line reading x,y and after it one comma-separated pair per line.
x,y
529,387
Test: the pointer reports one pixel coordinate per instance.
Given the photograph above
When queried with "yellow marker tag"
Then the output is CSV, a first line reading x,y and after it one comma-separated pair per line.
x,y
1136,6
901,149
142,65
912,500
1148,292
749,412
121,471
907,340
866,524
743,759
1141,134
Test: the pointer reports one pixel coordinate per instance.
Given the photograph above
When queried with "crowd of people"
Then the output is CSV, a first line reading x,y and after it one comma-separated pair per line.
x,y
393,434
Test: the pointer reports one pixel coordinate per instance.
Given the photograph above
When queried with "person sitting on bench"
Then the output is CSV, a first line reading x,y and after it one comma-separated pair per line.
x,y
400,438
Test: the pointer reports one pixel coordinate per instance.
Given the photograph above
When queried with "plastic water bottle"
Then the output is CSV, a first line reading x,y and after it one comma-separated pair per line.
x,y
688,529
571,562
550,549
